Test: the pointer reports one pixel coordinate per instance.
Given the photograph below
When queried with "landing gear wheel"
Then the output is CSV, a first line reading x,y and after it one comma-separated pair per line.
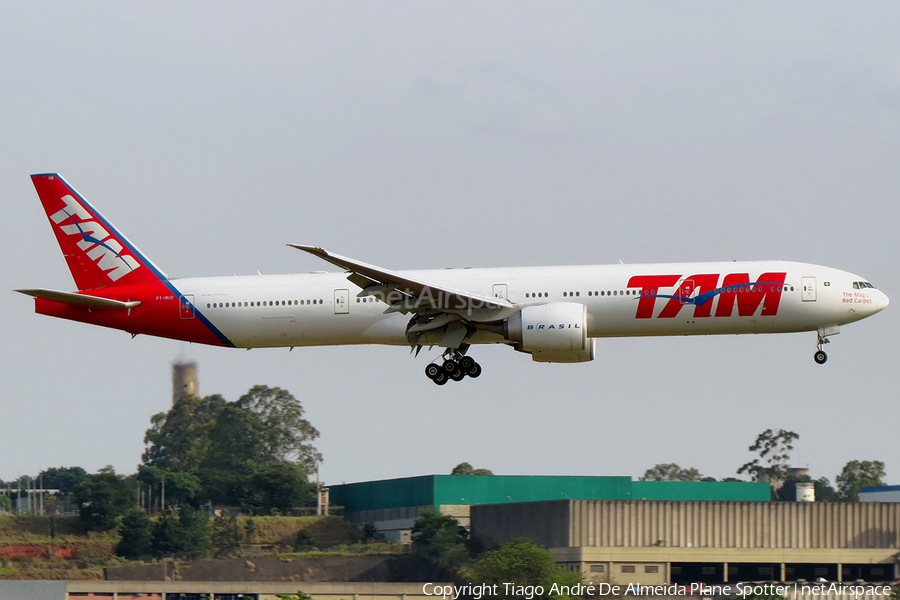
x,y
458,375
475,371
432,371
466,363
450,366
820,357
441,379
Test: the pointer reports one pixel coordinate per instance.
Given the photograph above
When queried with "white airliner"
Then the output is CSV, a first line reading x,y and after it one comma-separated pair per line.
x,y
555,314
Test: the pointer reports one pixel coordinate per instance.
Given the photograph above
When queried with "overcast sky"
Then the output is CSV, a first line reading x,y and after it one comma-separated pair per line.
x,y
438,134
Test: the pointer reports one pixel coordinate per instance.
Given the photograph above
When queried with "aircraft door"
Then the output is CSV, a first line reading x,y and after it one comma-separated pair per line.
x,y
501,291
808,289
186,306
341,302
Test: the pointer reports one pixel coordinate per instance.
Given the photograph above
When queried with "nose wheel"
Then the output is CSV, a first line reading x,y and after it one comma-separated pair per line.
x,y
454,366
820,357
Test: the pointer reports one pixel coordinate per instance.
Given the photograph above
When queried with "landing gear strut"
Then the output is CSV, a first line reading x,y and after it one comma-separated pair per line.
x,y
820,357
455,366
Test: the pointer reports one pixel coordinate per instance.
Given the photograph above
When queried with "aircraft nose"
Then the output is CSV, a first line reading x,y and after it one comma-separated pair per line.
x,y
883,300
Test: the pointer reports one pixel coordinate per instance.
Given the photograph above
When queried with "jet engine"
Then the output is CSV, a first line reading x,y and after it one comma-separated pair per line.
x,y
554,332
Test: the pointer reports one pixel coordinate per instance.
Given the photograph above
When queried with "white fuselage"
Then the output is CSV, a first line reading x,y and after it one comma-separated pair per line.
x,y
325,309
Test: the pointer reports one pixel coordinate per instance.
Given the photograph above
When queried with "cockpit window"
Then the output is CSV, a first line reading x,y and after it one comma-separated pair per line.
x,y
861,285
869,285
855,285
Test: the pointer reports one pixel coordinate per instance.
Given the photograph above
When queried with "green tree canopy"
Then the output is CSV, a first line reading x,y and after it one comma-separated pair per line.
x,y
237,441
101,500
225,537
178,440
441,539
265,426
671,472
524,563
180,488
465,468
181,534
858,474
64,479
288,436
135,532
774,451
276,487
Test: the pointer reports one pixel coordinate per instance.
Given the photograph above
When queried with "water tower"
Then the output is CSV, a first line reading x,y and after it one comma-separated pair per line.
x,y
184,380
806,492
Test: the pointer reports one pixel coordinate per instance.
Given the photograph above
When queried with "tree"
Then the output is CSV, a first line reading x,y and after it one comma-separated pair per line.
x,y
135,532
857,474
221,486
178,440
774,449
440,539
101,500
265,426
465,468
277,487
180,488
523,562
237,441
305,541
181,534
64,479
288,435
225,537
671,472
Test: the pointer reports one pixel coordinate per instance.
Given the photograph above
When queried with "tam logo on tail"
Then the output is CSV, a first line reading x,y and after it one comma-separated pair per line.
x,y
95,240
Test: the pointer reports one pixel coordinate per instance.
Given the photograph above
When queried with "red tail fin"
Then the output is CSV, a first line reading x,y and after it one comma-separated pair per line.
x,y
97,254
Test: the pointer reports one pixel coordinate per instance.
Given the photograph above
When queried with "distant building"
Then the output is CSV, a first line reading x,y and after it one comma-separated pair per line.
x,y
657,542
393,505
884,493
184,380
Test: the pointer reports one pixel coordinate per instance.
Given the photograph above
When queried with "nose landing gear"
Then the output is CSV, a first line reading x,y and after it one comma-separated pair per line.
x,y
456,366
820,357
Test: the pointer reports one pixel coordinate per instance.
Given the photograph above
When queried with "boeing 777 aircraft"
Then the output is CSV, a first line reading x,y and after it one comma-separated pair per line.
x,y
555,314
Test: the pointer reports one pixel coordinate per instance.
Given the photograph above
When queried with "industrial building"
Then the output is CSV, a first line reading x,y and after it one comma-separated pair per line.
x,y
883,493
657,542
393,505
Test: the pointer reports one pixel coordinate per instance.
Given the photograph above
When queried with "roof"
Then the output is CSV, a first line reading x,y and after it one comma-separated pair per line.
x,y
437,490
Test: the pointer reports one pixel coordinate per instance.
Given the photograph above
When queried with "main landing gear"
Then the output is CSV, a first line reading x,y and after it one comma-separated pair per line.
x,y
456,366
820,357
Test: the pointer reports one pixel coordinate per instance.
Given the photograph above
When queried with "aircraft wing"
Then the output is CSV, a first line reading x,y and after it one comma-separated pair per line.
x,y
415,295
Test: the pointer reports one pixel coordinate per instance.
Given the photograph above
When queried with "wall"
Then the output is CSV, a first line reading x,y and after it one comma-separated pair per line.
x,y
646,524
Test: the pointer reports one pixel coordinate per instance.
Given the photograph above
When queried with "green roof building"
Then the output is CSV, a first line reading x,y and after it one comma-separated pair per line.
x,y
393,505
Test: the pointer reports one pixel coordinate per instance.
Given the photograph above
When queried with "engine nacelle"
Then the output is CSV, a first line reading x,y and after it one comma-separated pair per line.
x,y
555,332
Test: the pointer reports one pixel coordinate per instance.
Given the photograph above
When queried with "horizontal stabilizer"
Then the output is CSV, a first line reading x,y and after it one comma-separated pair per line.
x,y
80,299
